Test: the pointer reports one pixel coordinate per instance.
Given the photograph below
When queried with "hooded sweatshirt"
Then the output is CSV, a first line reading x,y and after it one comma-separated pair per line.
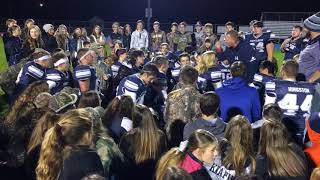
x,y
215,126
237,97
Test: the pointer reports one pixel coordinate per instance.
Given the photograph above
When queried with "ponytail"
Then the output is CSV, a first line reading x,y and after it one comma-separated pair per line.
x,y
51,158
172,158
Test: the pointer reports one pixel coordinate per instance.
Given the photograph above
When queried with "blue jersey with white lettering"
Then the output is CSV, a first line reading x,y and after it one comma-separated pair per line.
x,y
115,68
57,80
259,43
210,80
245,53
86,72
293,47
30,73
175,71
294,98
134,87
225,72
259,82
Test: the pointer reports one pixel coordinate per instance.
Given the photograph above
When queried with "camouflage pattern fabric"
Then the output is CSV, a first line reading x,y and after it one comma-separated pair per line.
x,y
157,39
8,78
182,104
182,41
170,37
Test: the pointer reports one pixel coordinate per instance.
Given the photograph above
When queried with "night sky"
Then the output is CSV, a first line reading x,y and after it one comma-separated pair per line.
x,y
239,11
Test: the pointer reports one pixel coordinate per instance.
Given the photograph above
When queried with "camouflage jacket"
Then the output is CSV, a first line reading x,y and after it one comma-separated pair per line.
x,y
9,77
170,37
182,104
103,69
157,39
182,41
110,155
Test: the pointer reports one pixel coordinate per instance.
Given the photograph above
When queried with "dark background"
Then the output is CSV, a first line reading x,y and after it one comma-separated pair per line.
x,y
216,11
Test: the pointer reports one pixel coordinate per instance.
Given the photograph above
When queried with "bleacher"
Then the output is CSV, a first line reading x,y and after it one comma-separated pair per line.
x,y
281,29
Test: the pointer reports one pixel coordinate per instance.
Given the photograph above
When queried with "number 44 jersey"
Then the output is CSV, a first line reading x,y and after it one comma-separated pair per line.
x,y
294,98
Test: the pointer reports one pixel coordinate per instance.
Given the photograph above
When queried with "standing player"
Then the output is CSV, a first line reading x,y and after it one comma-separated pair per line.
x,y
85,74
293,45
59,76
261,41
294,98
33,70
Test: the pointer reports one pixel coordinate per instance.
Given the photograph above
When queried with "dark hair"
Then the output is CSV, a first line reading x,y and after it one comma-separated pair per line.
x,y
189,75
176,173
120,106
57,56
160,60
13,28
298,27
174,132
209,103
82,52
291,68
174,24
140,21
268,65
184,55
229,23
238,69
8,21
85,43
150,69
135,54
89,99
272,112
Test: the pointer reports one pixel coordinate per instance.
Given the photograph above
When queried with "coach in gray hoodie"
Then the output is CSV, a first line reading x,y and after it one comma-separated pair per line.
x,y
210,121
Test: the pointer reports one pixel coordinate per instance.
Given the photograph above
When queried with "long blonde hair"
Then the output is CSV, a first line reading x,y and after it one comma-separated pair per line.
x,y
199,139
68,132
147,136
207,60
274,144
240,136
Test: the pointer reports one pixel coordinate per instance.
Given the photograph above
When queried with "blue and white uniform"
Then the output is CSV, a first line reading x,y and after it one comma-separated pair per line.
x,y
57,80
295,99
86,72
30,73
259,43
134,87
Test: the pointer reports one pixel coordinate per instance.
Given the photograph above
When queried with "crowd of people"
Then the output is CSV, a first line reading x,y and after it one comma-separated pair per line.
x,y
156,105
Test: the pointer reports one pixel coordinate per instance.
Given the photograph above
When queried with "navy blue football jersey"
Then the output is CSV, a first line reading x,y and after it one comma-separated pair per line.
x,y
294,98
30,73
115,68
213,79
134,87
86,72
175,71
293,47
259,44
57,80
259,82
225,72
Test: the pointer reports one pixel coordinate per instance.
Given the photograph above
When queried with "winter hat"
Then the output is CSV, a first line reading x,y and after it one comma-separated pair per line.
x,y
42,100
313,127
62,101
47,27
312,23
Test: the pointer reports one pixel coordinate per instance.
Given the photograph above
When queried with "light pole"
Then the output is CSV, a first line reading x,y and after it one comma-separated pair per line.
x,y
149,15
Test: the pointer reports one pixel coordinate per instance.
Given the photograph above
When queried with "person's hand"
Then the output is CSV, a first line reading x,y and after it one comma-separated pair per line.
x,y
105,77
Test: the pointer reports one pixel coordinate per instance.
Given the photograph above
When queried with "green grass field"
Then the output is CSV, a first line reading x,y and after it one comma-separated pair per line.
x,y
3,66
